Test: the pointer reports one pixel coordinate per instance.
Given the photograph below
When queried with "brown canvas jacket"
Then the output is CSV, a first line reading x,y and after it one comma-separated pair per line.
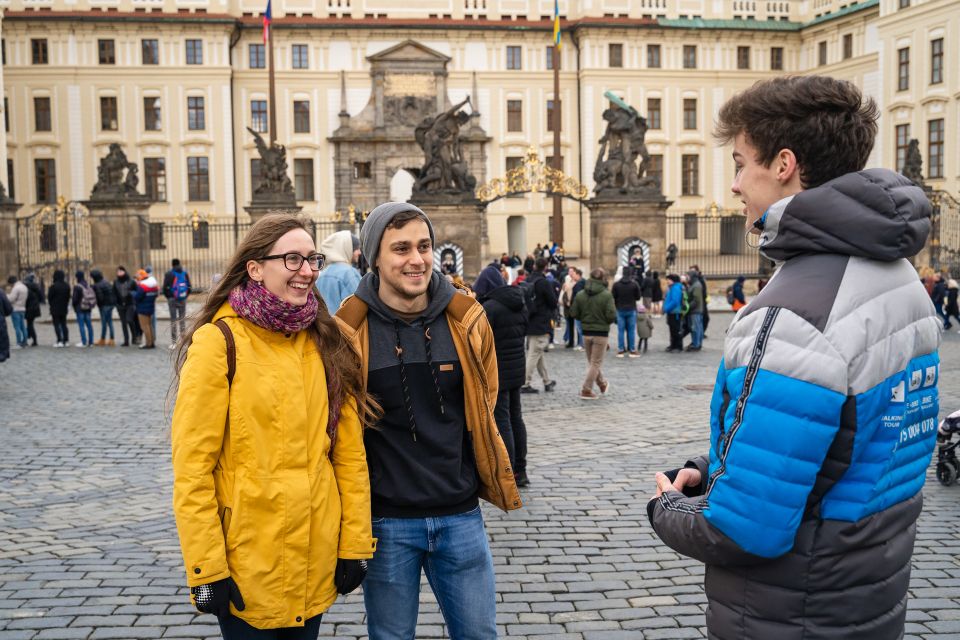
x,y
473,340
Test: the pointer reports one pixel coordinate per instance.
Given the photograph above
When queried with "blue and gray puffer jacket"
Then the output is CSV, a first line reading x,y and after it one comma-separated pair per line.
x,y
824,417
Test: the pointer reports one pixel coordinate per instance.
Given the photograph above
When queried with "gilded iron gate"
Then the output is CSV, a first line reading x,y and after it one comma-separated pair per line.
x,y
55,237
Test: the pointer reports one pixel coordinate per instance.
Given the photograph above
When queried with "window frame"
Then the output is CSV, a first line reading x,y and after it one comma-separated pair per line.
x,y
514,60
301,116
901,144
654,54
198,179
105,114
776,58
690,174
153,49
304,189
39,51
48,181
689,56
690,114
655,167
106,51
743,57
514,116
822,54
936,130
903,69
152,115
155,181
550,104
618,47
260,118
196,113
847,46
193,48
936,61
256,56
42,114
299,56
655,122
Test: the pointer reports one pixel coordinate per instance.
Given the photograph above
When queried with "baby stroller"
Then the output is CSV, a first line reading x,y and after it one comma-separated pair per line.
x,y
947,464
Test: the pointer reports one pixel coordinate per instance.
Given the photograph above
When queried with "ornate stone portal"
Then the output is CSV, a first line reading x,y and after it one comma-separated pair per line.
x,y
408,124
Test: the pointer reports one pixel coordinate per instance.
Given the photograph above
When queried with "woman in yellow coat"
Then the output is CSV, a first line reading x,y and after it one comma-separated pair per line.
x,y
271,492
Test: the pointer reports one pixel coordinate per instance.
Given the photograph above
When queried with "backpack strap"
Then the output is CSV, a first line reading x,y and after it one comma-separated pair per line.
x,y
231,349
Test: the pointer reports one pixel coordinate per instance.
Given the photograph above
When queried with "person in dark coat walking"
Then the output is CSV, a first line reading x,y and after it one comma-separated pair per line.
x,y
626,294
106,302
656,292
539,326
34,300
507,315
58,297
84,300
123,288
939,295
6,309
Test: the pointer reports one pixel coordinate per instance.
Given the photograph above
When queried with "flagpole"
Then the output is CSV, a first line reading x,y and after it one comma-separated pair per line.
x,y
272,101
557,161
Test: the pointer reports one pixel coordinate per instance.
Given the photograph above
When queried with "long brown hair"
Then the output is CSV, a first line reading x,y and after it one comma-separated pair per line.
x,y
341,363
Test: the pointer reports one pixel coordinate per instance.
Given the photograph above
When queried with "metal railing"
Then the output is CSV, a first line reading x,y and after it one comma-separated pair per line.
x,y
715,243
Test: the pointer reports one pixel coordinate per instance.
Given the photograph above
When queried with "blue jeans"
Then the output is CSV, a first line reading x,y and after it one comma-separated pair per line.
x,y
106,321
696,330
626,324
453,552
20,326
86,327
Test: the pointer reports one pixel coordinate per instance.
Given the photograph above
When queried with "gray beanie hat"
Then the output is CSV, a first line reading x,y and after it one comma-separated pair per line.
x,y
373,227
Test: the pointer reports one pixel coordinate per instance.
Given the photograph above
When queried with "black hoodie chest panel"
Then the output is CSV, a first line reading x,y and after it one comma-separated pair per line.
x,y
420,456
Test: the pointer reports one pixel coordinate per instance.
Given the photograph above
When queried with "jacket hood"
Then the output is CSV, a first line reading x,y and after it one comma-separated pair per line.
x,y
488,280
510,297
593,287
337,247
149,283
439,292
875,213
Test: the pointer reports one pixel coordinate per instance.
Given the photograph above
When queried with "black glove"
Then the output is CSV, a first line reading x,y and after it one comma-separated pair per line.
x,y
349,575
216,597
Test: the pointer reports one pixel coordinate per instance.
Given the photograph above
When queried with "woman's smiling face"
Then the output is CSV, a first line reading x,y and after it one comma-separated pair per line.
x,y
292,287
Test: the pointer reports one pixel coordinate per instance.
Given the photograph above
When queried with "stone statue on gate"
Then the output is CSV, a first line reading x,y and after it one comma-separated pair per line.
x,y
622,144
913,164
445,169
274,182
116,177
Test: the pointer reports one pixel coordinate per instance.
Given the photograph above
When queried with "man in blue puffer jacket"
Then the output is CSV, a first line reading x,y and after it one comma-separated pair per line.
x,y
824,413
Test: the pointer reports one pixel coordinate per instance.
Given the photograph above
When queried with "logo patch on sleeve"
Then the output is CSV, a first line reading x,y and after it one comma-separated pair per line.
x,y
930,376
446,367
915,378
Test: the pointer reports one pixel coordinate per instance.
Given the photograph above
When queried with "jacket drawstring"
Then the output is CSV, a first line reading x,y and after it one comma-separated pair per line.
x,y
433,371
407,403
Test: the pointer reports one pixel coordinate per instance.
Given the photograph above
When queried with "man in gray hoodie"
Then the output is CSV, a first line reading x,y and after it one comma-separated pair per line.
x,y
428,353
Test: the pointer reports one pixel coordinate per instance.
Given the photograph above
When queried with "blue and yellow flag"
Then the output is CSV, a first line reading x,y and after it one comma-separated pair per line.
x,y
556,23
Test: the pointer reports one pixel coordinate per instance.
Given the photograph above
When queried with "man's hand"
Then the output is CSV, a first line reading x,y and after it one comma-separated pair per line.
x,y
677,480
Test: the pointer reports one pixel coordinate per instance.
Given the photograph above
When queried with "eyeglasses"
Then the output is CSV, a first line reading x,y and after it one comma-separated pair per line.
x,y
293,261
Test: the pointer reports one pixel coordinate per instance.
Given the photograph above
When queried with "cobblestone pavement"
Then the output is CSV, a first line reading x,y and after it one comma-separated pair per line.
x,y
88,547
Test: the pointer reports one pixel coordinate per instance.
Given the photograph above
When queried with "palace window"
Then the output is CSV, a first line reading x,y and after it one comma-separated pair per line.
x,y
514,115
653,113
822,53
616,55
258,57
155,178
196,116
301,117
903,143
936,61
45,170
776,58
194,51
903,69
935,148
690,175
689,113
514,59
303,178
361,171
38,51
550,59
108,113
847,46
550,114
106,52
653,56
41,114
198,178
689,56
151,114
259,120
300,59
743,57
655,167
150,49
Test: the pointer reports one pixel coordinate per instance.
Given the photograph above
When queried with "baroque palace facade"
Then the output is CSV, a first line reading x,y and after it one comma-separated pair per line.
x,y
177,82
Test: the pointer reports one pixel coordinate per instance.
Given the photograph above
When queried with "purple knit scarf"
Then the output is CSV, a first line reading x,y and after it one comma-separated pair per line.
x,y
255,303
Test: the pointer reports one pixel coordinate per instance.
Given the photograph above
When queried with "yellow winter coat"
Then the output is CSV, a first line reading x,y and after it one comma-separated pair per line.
x,y
260,501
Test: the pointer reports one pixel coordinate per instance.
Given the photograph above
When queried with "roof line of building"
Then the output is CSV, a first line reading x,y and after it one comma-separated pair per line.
x,y
312,22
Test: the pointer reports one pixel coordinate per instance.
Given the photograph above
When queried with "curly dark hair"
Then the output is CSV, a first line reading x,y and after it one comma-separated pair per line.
x,y
827,123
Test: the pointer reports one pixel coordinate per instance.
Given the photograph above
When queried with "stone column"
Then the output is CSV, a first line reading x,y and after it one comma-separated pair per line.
x,y
9,243
119,234
464,224
614,220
